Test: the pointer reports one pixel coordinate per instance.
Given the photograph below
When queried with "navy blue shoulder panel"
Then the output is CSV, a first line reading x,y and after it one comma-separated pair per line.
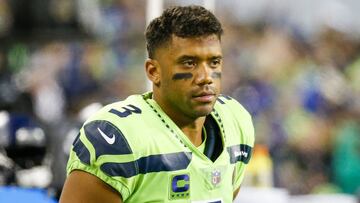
x,y
81,151
106,138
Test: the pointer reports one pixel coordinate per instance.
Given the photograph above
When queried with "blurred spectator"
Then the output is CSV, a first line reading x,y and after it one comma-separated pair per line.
x,y
346,155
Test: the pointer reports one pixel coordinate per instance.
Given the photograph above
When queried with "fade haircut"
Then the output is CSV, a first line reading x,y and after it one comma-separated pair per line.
x,y
181,21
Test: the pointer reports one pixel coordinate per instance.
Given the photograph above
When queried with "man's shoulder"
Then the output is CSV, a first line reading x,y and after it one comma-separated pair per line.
x,y
120,120
114,129
123,109
236,119
228,105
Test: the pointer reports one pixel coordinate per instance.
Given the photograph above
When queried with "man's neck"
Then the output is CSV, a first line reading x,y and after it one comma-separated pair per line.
x,y
194,131
191,127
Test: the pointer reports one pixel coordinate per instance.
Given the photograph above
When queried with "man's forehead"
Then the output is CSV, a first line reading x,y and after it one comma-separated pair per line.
x,y
181,45
185,45
206,39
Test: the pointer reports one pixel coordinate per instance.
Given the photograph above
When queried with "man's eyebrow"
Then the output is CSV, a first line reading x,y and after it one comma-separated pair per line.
x,y
186,57
189,57
216,57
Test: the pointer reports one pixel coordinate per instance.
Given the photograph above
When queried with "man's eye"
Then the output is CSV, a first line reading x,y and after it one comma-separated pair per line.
x,y
215,62
189,63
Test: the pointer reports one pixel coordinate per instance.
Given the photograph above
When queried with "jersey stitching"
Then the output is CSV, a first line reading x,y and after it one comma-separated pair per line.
x,y
167,125
217,117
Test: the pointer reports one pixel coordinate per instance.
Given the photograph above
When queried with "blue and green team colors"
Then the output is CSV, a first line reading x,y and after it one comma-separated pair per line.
x,y
134,147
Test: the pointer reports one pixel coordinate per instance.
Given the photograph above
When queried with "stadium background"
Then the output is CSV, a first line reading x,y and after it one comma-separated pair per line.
x,y
295,65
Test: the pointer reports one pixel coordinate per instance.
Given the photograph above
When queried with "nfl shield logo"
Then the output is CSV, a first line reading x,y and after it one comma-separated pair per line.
x,y
215,177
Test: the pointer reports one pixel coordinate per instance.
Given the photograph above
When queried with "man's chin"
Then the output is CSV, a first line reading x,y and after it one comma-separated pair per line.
x,y
203,111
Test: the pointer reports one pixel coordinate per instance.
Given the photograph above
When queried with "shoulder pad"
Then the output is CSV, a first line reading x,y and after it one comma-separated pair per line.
x,y
106,138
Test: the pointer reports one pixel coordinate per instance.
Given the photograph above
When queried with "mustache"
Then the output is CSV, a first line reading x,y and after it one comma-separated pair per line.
x,y
184,76
206,90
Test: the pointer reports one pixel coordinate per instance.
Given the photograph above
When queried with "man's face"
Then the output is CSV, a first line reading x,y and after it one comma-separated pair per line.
x,y
190,75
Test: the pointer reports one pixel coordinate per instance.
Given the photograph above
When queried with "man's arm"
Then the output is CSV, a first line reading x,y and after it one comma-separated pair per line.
x,y
81,186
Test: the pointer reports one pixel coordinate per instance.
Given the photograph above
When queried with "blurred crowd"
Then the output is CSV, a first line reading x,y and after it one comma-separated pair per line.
x,y
304,98
302,90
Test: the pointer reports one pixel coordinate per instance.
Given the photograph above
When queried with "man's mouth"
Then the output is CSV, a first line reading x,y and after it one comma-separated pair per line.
x,y
204,97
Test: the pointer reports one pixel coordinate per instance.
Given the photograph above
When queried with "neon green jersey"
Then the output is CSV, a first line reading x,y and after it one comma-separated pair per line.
x,y
134,147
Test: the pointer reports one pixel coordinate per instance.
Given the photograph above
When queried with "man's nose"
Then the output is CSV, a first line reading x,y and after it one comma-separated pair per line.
x,y
204,74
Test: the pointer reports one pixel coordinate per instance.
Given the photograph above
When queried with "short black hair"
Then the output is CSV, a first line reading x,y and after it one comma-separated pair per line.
x,y
182,21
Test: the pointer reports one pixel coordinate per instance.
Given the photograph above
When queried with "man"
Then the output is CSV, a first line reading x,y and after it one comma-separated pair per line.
x,y
182,142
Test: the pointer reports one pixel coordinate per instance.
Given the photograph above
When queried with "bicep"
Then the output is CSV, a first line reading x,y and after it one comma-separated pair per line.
x,y
81,186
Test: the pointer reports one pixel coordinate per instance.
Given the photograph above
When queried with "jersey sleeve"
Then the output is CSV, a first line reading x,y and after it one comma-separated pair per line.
x,y
246,146
246,127
241,146
102,149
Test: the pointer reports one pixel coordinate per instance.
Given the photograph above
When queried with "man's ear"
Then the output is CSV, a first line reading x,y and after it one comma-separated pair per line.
x,y
152,68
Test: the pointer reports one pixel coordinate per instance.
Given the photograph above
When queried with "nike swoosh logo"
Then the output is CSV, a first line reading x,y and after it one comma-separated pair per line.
x,y
110,140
